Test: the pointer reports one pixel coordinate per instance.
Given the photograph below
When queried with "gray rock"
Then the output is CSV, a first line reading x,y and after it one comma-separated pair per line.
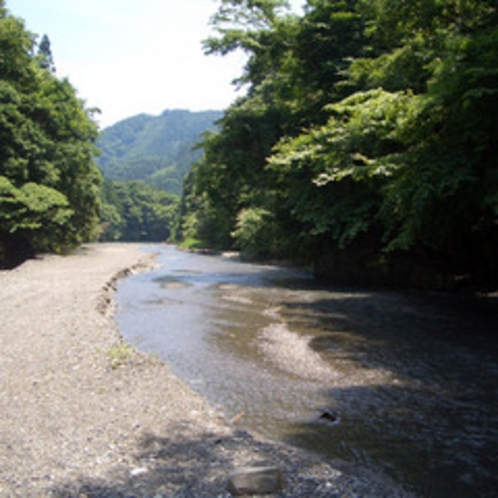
x,y
255,481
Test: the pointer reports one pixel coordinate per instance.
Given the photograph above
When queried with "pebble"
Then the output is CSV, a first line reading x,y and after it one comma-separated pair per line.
x,y
138,471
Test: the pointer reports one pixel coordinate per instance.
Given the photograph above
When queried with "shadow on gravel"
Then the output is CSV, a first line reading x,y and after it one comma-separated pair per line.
x,y
161,466
198,466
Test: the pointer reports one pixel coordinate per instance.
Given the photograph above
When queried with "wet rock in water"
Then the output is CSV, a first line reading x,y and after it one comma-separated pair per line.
x,y
329,418
255,481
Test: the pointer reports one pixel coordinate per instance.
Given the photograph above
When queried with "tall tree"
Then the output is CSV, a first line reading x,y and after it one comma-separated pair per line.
x,y
49,183
45,54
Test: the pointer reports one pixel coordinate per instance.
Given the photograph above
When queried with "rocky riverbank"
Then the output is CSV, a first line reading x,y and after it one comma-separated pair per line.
x,y
83,414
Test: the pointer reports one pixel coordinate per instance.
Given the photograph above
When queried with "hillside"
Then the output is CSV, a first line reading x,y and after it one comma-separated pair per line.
x,y
155,149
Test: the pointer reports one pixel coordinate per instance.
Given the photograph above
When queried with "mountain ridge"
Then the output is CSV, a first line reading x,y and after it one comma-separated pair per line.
x,y
159,150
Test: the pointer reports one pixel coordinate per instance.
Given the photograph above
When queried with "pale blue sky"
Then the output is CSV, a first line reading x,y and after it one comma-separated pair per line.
x,y
133,56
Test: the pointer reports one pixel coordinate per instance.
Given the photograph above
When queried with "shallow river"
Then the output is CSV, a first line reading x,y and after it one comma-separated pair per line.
x,y
405,383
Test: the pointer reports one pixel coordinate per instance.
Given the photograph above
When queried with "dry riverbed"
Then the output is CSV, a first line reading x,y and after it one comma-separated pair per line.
x,y
84,415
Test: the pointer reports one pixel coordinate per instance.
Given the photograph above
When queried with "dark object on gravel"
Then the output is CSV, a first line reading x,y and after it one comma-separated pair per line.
x,y
329,418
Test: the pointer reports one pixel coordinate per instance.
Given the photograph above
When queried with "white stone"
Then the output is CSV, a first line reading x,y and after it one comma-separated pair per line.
x,y
138,471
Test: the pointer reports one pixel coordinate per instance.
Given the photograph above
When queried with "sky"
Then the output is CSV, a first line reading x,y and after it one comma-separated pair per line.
x,y
128,57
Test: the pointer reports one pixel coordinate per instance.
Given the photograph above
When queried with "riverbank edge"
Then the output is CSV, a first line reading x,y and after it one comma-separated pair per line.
x,y
183,447
353,471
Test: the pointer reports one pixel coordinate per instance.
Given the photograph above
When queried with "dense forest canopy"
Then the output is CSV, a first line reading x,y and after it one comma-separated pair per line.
x,y
49,184
366,144
135,211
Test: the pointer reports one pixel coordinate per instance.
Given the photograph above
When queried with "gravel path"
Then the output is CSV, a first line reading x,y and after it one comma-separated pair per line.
x,y
83,415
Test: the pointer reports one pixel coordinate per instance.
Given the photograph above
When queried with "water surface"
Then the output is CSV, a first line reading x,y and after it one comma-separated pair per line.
x,y
408,382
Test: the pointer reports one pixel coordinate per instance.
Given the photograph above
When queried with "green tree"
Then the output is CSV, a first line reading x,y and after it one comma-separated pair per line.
x,y
45,56
368,129
46,151
235,157
409,165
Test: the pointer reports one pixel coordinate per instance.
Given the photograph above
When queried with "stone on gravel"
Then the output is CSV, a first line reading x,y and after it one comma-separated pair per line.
x,y
255,481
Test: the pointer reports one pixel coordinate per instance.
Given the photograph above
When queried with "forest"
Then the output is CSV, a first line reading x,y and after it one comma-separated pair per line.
x,y
144,160
158,150
49,183
134,211
54,191
365,146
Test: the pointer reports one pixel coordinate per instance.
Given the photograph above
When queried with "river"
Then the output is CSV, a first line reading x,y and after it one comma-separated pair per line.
x,y
406,383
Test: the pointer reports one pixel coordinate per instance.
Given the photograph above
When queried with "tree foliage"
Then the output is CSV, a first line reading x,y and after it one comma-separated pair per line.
x,y
134,211
48,181
368,127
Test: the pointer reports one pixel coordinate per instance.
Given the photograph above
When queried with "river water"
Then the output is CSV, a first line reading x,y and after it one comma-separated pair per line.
x,y
401,382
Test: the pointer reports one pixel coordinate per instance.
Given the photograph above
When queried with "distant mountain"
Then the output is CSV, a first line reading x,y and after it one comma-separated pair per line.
x,y
155,149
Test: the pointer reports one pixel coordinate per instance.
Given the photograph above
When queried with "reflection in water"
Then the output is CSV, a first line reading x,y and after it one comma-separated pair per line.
x,y
411,379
